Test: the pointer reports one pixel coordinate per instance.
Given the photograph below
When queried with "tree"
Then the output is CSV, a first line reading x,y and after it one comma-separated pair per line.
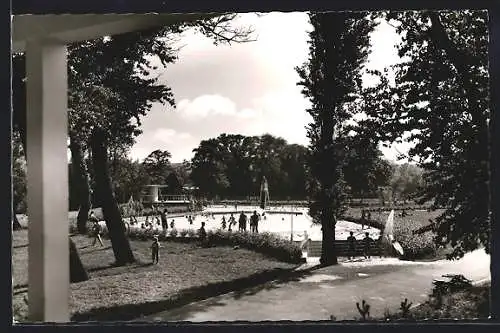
x,y
267,164
294,173
128,177
338,46
364,168
233,165
208,169
173,183
183,171
118,66
406,181
80,181
157,166
77,272
119,241
440,96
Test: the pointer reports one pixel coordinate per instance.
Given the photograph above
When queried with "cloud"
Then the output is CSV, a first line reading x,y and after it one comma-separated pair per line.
x,y
179,144
168,135
247,88
212,105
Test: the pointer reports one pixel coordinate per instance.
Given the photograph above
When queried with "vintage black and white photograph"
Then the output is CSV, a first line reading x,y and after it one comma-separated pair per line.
x,y
264,166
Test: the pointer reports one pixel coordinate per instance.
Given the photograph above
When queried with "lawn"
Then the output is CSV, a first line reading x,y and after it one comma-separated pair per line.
x,y
185,273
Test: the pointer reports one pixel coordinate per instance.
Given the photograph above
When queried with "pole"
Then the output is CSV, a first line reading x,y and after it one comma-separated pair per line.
x,y
291,226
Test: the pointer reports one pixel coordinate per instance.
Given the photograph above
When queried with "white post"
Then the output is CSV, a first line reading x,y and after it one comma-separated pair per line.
x,y
47,181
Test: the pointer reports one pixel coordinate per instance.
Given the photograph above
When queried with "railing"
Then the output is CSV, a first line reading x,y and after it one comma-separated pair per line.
x,y
165,198
342,249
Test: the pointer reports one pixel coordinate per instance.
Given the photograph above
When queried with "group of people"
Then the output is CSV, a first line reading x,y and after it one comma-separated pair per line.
x,y
160,217
242,222
367,244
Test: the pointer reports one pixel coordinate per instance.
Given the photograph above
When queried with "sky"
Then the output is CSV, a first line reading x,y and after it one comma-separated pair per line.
x,y
247,88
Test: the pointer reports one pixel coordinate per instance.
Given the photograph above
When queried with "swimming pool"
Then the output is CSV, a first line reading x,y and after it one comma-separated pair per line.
x,y
283,221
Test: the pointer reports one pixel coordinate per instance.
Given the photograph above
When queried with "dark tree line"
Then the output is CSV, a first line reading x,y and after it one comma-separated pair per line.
x,y
232,166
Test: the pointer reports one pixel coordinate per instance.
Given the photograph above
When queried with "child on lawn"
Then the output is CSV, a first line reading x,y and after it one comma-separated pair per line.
x,y
155,249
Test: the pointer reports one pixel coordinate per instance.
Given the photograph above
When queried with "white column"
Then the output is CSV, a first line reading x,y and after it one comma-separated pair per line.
x,y
47,185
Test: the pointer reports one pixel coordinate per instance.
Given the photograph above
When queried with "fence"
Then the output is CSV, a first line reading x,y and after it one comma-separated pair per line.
x,y
166,198
342,249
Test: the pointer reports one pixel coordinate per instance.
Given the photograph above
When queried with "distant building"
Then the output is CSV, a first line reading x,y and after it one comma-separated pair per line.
x,y
153,194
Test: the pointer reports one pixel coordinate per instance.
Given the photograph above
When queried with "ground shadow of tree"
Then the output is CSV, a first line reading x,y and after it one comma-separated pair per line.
x,y
184,297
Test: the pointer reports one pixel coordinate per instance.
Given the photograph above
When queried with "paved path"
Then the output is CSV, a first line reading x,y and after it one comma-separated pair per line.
x,y
316,295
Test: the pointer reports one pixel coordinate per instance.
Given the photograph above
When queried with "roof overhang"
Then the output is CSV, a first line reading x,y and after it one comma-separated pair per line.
x,y
67,28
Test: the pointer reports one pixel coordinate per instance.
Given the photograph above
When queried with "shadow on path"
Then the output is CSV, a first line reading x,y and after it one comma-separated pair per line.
x,y
20,246
294,276
190,295
181,314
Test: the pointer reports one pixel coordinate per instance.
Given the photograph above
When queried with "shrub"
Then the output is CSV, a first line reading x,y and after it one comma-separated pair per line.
x,y
191,233
264,243
162,236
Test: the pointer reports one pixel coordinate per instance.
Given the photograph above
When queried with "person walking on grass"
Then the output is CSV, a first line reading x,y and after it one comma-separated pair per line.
x,y
367,244
163,217
202,234
96,228
351,246
155,250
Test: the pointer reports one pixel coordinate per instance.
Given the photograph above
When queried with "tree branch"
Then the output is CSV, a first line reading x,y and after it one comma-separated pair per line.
x,y
222,30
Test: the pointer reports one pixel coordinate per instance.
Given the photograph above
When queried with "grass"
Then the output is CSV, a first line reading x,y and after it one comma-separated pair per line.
x,y
185,273
265,243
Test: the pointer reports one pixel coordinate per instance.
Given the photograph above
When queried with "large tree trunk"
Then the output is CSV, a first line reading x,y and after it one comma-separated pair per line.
x,y
328,179
77,272
328,251
116,227
15,222
82,183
